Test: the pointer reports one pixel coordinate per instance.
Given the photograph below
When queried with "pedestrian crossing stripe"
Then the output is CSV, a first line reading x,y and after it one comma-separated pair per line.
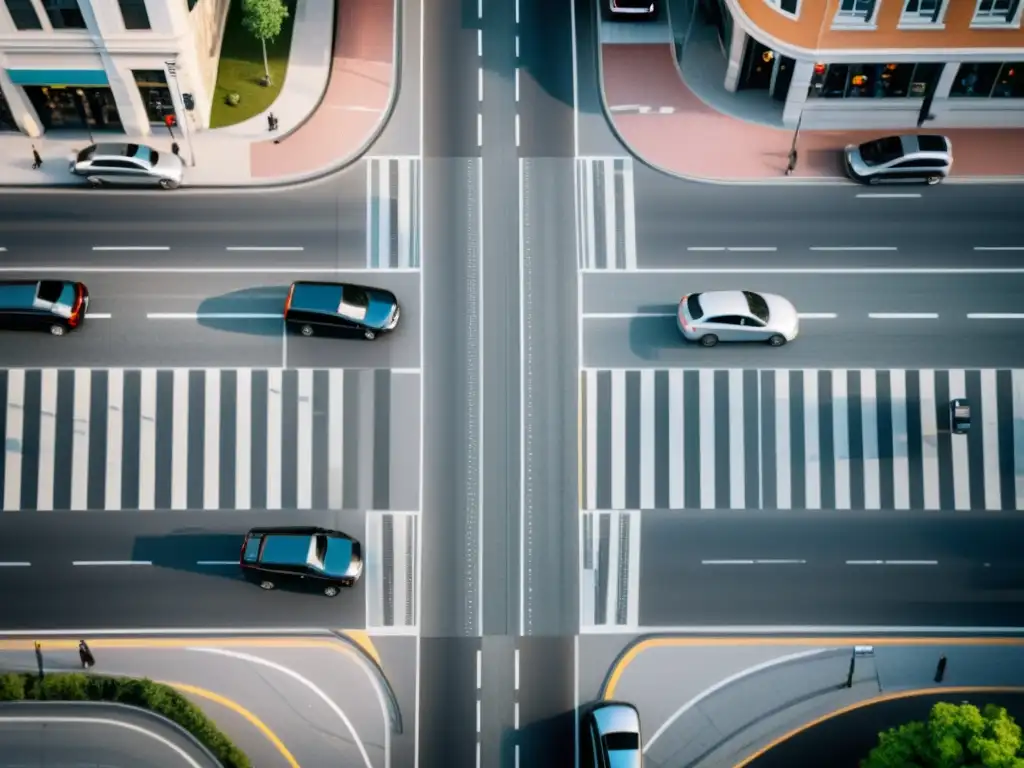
x,y
391,590
148,439
800,439
610,572
606,220
393,212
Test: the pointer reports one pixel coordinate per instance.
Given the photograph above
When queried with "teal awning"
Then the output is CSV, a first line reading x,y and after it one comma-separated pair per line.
x,y
85,77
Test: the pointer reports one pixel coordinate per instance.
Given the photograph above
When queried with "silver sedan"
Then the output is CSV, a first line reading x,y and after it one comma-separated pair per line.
x,y
716,316
128,165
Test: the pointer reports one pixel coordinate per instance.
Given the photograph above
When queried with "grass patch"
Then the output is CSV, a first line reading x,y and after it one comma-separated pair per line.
x,y
241,68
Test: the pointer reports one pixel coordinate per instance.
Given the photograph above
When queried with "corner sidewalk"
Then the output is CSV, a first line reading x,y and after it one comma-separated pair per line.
x,y
330,106
679,117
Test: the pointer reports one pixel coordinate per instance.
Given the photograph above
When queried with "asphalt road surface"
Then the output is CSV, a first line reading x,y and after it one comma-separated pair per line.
x,y
842,569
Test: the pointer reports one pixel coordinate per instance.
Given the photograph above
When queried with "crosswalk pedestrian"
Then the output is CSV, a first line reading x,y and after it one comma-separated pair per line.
x,y
800,439
605,214
151,439
392,212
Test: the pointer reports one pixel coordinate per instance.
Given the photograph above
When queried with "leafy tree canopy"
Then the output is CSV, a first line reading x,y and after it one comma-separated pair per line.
x,y
263,18
955,736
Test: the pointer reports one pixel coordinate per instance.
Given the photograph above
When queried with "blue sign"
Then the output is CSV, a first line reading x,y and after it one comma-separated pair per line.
x,y
86,77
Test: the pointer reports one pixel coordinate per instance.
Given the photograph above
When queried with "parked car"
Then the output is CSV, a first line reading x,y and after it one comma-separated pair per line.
x,y
57,306
340,309
717,316
303,557
610,736
900,160
630,10
133,165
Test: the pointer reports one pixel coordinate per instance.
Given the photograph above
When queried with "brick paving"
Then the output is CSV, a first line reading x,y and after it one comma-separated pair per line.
x,y
696,140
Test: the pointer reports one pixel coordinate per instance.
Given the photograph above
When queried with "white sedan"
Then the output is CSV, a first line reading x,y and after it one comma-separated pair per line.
x,y
716,316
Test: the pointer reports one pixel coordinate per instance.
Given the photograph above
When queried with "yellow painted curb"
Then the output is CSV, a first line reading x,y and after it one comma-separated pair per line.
x,y
722,642
237,708
878,700
364,641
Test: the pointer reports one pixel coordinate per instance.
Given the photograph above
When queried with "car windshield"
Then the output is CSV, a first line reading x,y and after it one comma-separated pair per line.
x,y
354,303
619,742
317,552
86,153
757,305
881,151
693,306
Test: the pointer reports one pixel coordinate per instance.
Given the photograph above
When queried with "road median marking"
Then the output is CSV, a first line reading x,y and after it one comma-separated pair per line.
x,y
238,709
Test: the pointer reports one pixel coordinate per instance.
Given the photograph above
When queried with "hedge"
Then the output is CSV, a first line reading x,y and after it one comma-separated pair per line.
x,y
142,693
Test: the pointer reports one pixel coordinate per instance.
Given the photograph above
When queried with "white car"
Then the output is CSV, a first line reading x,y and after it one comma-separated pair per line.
x,y
912,159
716,316
128,165
610,735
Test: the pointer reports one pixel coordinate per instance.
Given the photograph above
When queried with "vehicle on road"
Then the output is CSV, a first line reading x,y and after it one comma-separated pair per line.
x,y
959,416
340,309
130,165
715,316
900,160
301,557
56,306
630,10
610,736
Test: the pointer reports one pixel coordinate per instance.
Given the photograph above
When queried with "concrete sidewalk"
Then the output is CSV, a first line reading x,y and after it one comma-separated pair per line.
x,y
678,117
331,105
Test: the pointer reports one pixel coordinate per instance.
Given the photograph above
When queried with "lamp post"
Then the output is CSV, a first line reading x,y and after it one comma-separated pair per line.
x,y
172,70
800,118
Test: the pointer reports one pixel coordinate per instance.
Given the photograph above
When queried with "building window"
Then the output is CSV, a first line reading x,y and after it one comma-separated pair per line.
x,y
791,7
64,14
873,81
1010,84
23,14
997,12
855,12
152,85
134,14
923,12
975,80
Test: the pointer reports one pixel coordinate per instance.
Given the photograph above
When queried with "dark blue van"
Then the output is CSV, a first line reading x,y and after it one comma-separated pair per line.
x,y
340,309
55,306
301,557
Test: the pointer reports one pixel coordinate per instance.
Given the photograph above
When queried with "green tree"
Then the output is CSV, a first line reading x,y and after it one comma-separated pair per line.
x,y
955,736
263,18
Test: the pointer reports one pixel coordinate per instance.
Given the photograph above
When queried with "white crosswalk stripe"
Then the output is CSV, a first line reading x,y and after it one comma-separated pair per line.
x,y
390,572
149,439
610,573
801,439
392,212
605,216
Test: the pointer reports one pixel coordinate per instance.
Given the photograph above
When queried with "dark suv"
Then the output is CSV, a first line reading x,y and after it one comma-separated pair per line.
x,y
303,557
340,309
57,306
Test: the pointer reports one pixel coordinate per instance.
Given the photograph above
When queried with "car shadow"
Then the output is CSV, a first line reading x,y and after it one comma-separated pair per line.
x,y
193,550
548,743
649,336
257,311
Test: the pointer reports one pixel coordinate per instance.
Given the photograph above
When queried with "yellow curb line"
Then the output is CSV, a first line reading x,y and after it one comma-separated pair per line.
x,y
825,641
878,700
363,640
240,710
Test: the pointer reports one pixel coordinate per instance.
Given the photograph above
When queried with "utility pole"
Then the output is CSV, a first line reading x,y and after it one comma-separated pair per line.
x,y
172,70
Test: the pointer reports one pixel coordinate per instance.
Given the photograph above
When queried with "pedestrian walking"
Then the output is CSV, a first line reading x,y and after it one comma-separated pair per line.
x,y
39,657
271,122
940,669
37,161
85,654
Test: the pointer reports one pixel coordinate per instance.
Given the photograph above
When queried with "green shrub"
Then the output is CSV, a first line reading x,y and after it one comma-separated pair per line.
x,y
233,99
136,692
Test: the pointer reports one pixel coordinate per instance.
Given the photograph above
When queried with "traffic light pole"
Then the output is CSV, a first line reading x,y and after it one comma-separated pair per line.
x,y
172,70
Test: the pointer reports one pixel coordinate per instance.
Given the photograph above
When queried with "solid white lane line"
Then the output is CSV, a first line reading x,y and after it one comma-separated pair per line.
x,y
211,315
131,247
817,315
624,315
210,270
216,562
995,316
479,130
903,315
517,130
999,247
892,562
706,248
265,248
111,562
15,565
98,315
889,195
854,248
753,271
480,84
752,249
753,562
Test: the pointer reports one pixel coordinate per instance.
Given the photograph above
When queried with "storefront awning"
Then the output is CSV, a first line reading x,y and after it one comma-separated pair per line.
x,y
81,77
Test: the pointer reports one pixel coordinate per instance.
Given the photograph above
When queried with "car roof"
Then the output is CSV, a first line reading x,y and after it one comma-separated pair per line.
x,y
717,303
18,294
286,548
924,147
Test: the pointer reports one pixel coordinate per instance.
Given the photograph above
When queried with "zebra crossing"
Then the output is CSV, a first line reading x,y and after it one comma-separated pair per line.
x,y
393,212
605,213
610,572
800,439
151,439
390,572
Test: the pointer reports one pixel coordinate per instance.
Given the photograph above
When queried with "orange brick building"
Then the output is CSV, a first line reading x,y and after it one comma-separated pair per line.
x,y
878,63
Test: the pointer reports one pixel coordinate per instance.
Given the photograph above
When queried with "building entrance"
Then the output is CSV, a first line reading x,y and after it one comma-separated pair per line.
x,y
6,118
74,107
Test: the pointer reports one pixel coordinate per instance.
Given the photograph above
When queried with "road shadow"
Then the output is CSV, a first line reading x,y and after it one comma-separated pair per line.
x,y
185,549
548,743
650,336
221,313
